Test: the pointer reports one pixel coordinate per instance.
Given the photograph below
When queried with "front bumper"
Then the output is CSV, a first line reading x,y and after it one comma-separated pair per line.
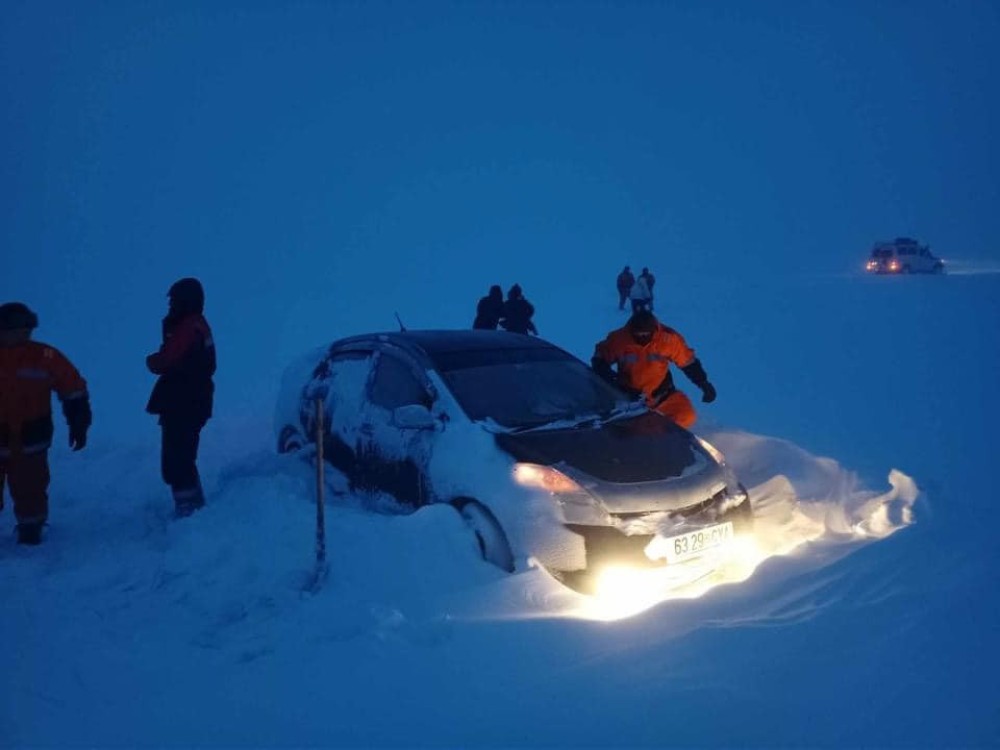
x,y
625,542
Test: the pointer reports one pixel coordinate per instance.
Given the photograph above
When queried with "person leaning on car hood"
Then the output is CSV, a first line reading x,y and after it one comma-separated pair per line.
x,y
643,350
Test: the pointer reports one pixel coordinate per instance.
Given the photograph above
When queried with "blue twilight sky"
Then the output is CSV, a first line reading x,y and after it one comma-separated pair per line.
x,y
276,150
322,165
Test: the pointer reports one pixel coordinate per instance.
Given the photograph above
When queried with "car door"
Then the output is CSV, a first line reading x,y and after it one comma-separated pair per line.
x,y
398,429
340,380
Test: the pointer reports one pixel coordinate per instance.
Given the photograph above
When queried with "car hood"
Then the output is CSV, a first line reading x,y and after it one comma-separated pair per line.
x,y
645,448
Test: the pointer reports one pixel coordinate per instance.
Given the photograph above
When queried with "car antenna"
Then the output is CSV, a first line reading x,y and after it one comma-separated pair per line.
x,y
398,320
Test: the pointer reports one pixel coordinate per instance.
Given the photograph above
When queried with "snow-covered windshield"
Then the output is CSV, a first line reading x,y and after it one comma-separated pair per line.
x,y
527,392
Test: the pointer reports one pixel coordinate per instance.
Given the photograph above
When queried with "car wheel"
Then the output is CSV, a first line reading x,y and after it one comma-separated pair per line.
x,y
290,440
490,536
938,267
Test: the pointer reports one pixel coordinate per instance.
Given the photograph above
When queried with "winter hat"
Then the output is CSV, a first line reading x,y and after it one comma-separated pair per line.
x,y
15,315
187,296
515,292
643,323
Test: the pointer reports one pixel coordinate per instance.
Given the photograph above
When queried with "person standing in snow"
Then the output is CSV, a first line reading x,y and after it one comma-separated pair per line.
x,y
183,393
641,296
624,283
30,372
650,282
642,351
489,310
517,312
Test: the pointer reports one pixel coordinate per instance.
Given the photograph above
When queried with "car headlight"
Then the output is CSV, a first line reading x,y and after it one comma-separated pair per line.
x,y
545,478
712,451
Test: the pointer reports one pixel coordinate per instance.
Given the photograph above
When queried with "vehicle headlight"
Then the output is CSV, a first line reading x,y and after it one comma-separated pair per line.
x,y
545,478
714,452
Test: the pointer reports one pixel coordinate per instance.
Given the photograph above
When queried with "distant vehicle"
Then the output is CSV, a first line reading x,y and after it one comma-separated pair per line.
x,y
541,457
903,255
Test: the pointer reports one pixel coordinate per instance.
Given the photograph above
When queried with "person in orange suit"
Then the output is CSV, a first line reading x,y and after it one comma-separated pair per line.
x,y
642,351
30,372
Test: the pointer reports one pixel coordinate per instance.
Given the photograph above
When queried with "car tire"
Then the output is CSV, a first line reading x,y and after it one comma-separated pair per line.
x,y
490,536
290,440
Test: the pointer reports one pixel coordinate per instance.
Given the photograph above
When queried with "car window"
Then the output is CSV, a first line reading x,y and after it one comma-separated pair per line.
x,y
882,252
340,381
338,367
529,393
395,385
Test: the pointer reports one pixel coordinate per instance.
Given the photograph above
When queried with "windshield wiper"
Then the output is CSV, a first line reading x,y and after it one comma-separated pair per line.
x,y
631,409
591,419
561,423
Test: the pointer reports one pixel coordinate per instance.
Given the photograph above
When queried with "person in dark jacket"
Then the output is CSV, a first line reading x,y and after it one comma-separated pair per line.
x,y
517,312
30,372
182,396
624,283
489,310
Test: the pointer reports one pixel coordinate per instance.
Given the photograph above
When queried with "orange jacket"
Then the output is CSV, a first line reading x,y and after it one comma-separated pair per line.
x,y
644,367
29,373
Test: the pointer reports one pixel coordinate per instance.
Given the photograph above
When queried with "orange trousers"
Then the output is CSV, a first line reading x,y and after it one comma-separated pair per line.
x,y
28,478
678,407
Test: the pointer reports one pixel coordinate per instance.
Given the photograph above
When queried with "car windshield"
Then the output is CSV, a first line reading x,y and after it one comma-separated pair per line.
x,y
882,252
522,389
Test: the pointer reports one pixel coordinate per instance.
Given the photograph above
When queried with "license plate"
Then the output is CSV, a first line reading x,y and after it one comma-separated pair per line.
x,y
694,543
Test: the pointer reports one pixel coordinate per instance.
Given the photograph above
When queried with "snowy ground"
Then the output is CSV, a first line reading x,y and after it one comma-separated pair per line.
x,y
858,410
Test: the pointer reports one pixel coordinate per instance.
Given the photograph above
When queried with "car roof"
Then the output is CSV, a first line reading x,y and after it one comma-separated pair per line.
x,y
435,345
441,341
907,241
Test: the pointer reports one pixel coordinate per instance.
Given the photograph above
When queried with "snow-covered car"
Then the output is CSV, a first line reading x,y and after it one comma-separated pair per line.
x,y
542,458
903,255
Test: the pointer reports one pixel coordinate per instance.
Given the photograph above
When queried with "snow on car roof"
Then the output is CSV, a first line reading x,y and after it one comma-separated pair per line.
x,y
451,349
443,341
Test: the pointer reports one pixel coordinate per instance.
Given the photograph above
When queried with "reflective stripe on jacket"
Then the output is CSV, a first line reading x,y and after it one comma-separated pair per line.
x,y
644,367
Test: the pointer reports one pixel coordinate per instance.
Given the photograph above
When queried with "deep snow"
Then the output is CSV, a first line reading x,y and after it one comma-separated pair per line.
x,y
860,412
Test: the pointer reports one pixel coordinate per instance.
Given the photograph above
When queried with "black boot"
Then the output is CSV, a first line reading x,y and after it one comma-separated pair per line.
x,y
188,501
29,533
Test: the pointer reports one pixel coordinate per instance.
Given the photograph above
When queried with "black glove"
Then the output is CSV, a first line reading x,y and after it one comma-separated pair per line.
x,y
77,438
78,418
603,369
696,374
633,393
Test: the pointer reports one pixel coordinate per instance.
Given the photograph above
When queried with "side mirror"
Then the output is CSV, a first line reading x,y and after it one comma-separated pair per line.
x,y
413,417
